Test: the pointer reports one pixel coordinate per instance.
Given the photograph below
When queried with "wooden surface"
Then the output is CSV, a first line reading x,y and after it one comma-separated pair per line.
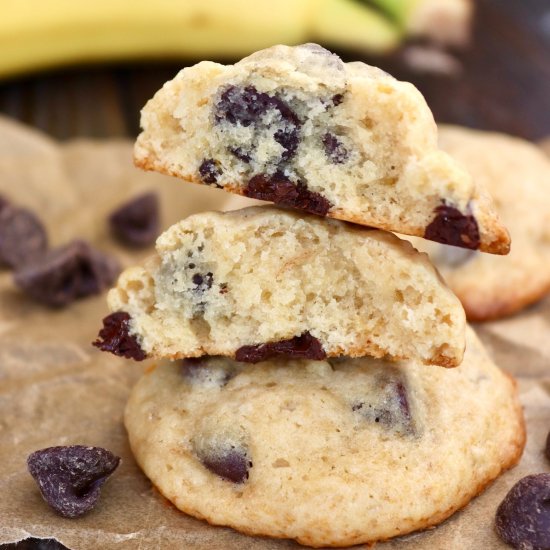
x,y
504,84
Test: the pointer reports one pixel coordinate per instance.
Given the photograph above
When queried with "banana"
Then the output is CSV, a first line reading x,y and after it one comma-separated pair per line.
x,y
37,34
442,21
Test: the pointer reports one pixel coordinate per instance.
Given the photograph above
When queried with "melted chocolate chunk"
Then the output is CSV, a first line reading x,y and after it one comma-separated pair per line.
x,y
231,464
523,517
337,99
334,149
66,274
136,223
390,408
281,190
242,105
70,478
304,346
210,170
245,106
115,337
452,227
240,154
288,138
22,236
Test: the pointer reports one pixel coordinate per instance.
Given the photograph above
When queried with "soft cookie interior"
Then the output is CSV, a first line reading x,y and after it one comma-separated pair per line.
x,y
260,282
298,127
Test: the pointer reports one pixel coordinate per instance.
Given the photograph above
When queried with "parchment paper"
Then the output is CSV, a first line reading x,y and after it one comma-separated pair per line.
x,y
55,389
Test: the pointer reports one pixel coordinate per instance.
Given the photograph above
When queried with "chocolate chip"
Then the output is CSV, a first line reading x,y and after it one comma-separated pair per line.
x,y
337,99
334,149
70,478
22,236
304,346
282,191
240,154
231,463
136,223
115,337
242,105
203,282
523,517
210,170
452,227
547,448
289,139
389,405
68,273
245,106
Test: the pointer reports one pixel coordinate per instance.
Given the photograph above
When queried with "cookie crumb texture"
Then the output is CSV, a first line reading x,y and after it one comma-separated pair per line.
x,y
260,282
330,453
298,127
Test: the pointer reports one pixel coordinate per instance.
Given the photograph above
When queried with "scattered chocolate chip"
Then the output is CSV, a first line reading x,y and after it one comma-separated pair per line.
x,y
289,139
452,227
523,517
245,106
304,346
22,236
231,464
282,191
241,105
136,223
223,288
210,170
115,337
67,273
334,149
240,154
70,478
547,448
337,99
203,282
389,407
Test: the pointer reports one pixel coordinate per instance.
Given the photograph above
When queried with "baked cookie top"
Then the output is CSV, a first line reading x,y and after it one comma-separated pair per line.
x,y
262,281
517,174
298,127
330,453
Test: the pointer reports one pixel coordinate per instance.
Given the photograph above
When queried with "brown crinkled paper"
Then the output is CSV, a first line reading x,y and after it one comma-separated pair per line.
x,y
55,389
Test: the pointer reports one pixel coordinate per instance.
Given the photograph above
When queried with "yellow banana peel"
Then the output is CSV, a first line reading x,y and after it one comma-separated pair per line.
x,y
36,34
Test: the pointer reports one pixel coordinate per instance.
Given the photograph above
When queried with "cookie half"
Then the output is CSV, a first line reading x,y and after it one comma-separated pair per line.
x,y
298,127
263,282
330,453
517,173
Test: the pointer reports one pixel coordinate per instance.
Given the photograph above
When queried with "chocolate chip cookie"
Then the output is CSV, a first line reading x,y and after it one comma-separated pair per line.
x,y
298,127
262,282
330,453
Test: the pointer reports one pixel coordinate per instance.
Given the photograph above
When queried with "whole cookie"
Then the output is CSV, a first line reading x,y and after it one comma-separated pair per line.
x,y
330,453
299,127
517,174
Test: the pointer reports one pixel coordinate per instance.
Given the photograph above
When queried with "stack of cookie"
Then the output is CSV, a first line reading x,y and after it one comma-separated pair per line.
x,y
304,404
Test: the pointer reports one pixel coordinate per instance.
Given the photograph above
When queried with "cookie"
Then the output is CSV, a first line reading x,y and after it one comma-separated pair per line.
x,y
330,453
517,174
298,127
263,282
